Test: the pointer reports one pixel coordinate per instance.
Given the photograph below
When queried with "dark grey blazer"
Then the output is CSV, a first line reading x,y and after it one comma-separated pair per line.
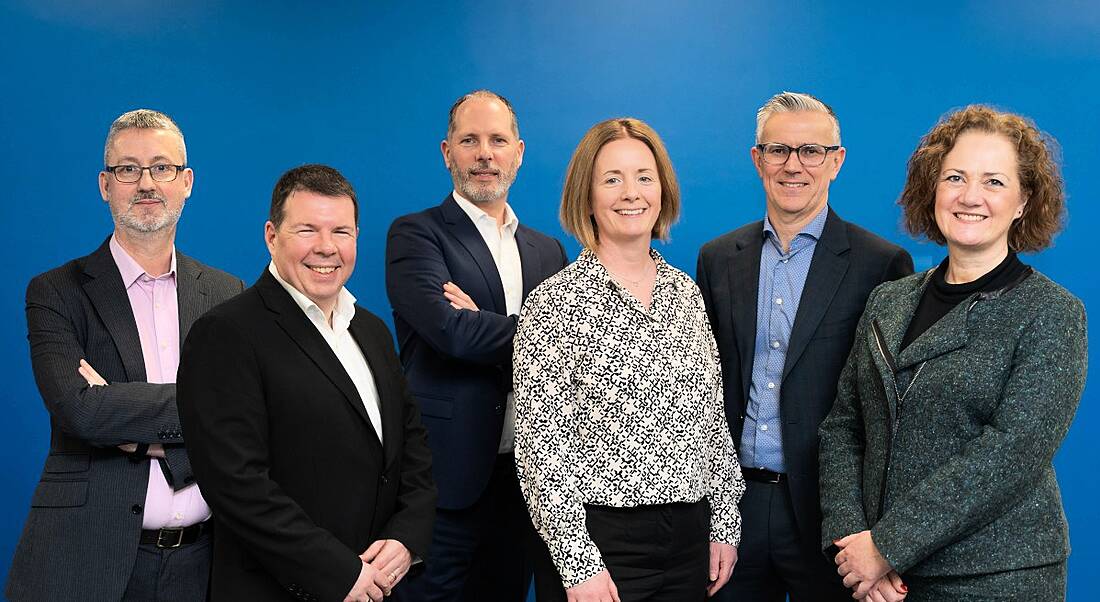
x,y
81,536
848,263
956,478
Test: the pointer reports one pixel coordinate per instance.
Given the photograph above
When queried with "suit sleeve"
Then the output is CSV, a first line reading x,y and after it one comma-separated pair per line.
x,y
703,280
222,404
415,273
104,416
842,448
411,523
1036,408
899,266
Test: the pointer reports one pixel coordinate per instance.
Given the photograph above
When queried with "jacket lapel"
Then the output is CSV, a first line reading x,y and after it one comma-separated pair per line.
x,y
191,293
744,283
827,269
530,260
297,326
946,335
884,336
467,234
108,295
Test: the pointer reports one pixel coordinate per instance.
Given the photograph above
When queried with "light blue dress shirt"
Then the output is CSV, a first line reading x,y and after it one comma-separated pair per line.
x,y
782,277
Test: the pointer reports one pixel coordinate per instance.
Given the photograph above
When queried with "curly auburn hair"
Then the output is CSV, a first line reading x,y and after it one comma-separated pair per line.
x,y
1037,166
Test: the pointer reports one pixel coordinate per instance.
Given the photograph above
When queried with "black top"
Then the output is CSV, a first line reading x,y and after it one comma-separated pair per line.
x,y
939,297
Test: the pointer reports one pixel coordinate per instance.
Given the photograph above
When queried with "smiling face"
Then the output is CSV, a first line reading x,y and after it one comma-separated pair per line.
x,y
796,193
626,192
978,195
146,206
314,247
482,152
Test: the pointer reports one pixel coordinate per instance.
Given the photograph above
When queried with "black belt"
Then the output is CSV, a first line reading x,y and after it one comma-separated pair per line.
x,y
761,475
174,538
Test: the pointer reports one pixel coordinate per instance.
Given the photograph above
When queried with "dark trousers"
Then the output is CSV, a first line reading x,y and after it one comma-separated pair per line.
x,y
1046,583
654,553
478,553
171,575
772,560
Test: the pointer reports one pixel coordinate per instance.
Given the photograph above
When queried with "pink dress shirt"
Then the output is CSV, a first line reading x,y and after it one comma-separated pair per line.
x,y
156,311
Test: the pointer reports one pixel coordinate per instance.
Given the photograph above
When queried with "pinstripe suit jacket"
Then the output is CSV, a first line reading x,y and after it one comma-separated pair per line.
x,y
81,536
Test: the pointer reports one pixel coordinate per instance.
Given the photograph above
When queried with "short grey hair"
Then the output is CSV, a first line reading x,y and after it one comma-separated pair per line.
x,y
792,102
142,119
481,94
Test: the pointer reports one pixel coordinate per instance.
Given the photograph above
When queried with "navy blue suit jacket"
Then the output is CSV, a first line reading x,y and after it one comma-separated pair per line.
x,y
458,363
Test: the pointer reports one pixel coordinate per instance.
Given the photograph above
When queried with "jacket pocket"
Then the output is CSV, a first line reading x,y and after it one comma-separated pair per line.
x,y
68,462
435,405
60,494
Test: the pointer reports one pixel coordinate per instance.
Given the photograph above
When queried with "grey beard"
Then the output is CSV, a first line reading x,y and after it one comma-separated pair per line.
x,y
476,194
135,224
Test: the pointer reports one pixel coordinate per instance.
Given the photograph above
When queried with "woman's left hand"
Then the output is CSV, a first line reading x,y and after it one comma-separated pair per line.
x,y
723,557
860,563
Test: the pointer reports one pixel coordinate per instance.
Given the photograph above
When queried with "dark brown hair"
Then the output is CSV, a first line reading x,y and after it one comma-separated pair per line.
x,y
320,179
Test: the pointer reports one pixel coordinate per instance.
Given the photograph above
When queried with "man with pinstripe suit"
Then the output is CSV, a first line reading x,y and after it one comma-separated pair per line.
x,y
116,514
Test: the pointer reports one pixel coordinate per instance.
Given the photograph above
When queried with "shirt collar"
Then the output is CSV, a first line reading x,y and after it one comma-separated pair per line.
x,y
511,222
129,267
341,314
813,229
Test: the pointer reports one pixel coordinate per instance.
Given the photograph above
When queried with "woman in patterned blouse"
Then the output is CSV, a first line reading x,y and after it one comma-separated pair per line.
x,y
622,447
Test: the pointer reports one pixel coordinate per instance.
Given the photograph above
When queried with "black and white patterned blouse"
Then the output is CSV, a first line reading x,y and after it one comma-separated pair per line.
x,y
618,406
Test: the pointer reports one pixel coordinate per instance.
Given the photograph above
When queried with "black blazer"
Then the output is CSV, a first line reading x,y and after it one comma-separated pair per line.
x,y
848,262
81,537
459,363
285,454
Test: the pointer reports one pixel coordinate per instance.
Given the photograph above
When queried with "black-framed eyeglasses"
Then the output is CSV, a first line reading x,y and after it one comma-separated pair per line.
x,y
161,172
811,155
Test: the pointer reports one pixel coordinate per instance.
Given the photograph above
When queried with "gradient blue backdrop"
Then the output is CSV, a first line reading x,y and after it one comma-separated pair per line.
x,y
261,87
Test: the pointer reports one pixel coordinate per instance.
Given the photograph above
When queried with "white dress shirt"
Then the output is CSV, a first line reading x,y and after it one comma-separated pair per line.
x,y
342,343
501,241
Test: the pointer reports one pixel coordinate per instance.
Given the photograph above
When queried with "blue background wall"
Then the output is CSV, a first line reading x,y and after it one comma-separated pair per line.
x,y
260,87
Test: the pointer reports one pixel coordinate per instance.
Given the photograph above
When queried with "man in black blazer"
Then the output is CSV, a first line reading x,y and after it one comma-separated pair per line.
x,y
783,296
299,425
116,515
456,275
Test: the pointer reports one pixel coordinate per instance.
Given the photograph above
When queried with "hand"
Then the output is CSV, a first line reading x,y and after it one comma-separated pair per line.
x,y
365,588
860,563
392,561
88,372
597,588
723,557
888,589
458,299
155,450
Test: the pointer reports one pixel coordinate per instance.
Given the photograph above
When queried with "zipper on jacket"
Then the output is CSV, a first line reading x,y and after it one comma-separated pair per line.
x,y
892,425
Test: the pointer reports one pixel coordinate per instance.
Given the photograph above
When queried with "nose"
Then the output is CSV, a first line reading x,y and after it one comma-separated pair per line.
x,y
325,244
484,151
972,194
630,190
146,181
793,164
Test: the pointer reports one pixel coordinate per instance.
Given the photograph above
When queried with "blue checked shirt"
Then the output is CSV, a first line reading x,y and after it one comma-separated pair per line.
x,y
782,276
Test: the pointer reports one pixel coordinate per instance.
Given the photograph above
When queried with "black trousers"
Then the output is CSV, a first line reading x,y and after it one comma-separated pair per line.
x,y
171,575
478,553
772,560
654,553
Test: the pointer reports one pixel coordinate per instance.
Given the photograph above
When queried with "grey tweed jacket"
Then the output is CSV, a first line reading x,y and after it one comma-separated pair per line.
x,y
943,450
81,536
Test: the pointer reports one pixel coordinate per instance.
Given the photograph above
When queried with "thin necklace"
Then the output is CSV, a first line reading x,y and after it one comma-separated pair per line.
x,y
645,272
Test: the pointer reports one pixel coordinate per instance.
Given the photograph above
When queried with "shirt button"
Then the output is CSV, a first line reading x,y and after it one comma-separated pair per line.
x,y
771,385
779,300
763,427
775,344
179,516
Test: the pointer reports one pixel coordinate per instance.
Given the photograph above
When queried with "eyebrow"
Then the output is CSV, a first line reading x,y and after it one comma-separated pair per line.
x,y
155,160
984,174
